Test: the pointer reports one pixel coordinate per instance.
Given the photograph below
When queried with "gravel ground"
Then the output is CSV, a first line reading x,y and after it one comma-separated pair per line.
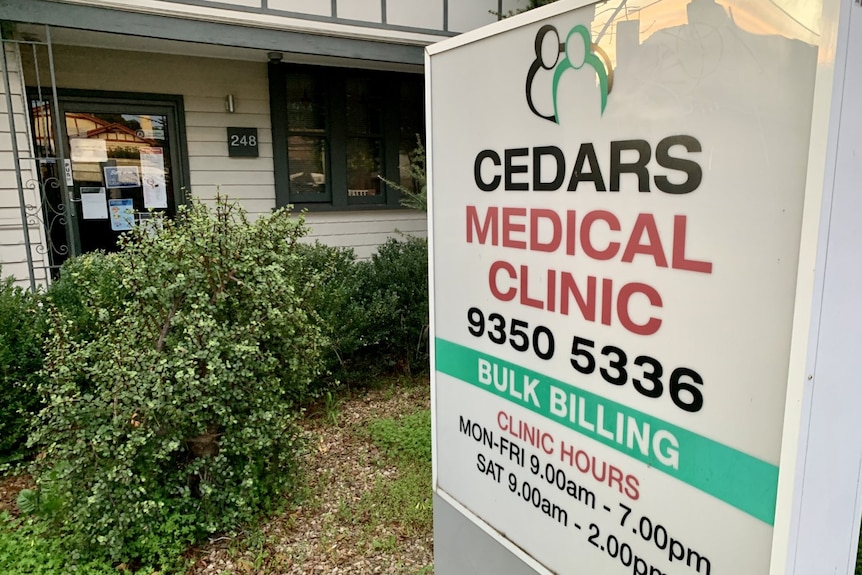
x,y
341,466
9,489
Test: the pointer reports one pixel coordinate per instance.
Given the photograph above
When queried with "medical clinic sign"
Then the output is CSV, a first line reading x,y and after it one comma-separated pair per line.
x,y
616,222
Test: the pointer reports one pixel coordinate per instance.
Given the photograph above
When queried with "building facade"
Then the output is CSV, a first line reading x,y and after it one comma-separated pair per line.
x,y
111,108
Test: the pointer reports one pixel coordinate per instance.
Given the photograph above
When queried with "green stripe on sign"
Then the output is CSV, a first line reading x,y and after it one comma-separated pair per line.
x,y
738,479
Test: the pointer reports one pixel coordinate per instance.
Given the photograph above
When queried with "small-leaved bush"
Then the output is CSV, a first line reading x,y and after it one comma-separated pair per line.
x,y
26,547
22,330
88,290
170,388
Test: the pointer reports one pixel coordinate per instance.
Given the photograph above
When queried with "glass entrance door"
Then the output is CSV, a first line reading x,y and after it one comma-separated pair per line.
x,y
124,164
123,167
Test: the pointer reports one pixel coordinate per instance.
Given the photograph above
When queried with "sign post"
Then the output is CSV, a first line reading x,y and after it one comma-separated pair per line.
x,y
626,210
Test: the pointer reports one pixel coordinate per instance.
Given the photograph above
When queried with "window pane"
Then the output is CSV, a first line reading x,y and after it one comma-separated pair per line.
x,y
306,103
412,125
306,157
364,106
363,167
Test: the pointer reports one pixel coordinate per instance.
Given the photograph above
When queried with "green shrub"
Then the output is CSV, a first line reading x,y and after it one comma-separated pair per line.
x,y
21,338
415,198
330,273
26,547
374,313
168,412
394,284
530,5
89,287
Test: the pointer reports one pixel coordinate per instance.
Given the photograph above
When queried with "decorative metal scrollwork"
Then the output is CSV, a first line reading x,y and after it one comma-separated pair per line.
x,y
46,214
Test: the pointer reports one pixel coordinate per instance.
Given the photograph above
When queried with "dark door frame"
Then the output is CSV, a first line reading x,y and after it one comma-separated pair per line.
x,y
110,101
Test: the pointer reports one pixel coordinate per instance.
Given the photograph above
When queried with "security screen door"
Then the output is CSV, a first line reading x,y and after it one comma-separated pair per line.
x,y
124,160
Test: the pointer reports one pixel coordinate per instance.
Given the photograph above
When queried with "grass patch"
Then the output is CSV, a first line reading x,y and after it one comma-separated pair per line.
x,y
403,502
26,548
402,499
407,439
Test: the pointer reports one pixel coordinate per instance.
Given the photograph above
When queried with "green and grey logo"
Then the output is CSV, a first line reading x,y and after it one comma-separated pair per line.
x,y
578,52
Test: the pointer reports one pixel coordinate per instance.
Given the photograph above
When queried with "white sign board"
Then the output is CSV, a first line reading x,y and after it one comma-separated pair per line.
x,y
616,205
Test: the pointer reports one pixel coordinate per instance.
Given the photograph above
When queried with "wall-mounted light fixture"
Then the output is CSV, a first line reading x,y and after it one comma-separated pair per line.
x,y
230,103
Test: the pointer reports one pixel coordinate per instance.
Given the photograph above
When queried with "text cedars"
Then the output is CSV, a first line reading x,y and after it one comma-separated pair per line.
x,y
573,232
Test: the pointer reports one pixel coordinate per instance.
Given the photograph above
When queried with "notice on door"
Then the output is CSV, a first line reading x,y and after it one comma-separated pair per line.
x,y
94,204
89,150
122,214
122,177
153,178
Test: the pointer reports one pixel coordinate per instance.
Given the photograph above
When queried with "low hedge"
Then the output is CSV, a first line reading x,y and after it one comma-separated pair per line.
x,y
21,340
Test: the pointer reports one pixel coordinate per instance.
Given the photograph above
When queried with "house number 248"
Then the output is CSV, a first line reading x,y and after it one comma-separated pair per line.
x,y
243,140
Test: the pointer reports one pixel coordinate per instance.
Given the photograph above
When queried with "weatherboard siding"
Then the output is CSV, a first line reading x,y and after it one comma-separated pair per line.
x,y
13,249
204,83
